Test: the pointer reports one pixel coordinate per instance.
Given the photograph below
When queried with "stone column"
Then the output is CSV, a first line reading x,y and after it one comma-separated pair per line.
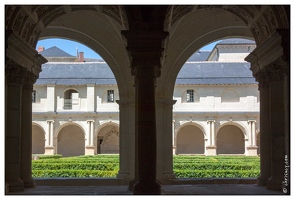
x,y
49,147
173,136
275,74
251,148
145,49
21,60
89,148
26,131
127,141
164,140
14,76
211,148
147,137
265,146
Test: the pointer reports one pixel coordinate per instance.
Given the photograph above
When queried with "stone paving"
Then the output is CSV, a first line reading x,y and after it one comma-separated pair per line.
x,y
200,189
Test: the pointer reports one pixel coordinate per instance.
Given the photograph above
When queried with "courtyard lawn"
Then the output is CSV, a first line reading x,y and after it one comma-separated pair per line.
x,y
107,166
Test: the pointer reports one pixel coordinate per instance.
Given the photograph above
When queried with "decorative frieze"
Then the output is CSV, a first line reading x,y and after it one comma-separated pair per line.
x,y
23,54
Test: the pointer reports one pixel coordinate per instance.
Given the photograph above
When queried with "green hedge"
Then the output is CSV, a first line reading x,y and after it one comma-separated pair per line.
x,y
215,166
183,166
73,173
216,173
76,166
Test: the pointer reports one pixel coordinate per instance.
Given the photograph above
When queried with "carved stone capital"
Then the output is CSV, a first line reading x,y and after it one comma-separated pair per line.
x,y
277,70
14,74
29,80
23,54
261,78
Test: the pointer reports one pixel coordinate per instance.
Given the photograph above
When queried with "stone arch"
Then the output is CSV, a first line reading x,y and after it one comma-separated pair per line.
x,y
240,125
230,96
107,138
190,139
71,140
180,49
76,26
230,140
38,138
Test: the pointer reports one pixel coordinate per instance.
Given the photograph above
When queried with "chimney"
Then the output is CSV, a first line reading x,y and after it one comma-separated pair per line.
x,y
41,49
81,56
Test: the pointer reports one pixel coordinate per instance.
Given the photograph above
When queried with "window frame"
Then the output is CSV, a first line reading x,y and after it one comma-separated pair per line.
x,y
190,97
110,99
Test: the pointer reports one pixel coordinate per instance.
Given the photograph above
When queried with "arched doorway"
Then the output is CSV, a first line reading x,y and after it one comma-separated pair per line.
x,y
230,140
38,140
108,139
71,141
190,140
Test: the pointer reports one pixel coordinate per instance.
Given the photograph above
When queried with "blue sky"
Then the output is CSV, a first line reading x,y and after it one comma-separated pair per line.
x,y
70,47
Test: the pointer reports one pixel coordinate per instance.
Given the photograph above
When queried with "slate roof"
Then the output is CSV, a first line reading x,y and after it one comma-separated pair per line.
x,y
75,73
236,41
195,71
54,52
215,73
191,73
199,56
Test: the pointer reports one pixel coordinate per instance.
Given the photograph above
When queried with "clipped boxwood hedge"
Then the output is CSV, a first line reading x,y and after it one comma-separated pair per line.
x,y
73,173
183,166
216,173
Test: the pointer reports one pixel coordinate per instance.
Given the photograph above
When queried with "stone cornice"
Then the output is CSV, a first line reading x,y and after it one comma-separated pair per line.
x,y
265,53
23,54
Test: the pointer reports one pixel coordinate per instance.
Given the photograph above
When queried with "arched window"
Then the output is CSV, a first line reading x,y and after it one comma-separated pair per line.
x,y
190,96
71,97
110,96
230,96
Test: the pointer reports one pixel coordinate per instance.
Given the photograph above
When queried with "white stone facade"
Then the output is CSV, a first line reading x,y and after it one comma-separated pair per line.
x,y
218,119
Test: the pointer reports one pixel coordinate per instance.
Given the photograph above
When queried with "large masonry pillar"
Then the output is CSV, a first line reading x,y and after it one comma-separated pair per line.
x,y
164,140
265,147
145,49
26,131
127,140
270,63
22,67
13,87
275,75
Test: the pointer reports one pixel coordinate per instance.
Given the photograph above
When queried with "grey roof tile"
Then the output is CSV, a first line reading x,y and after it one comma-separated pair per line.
x,y
54,52
100,73
236,41
199,56
215,73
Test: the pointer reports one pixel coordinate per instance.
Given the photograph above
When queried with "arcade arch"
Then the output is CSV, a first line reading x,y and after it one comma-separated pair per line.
x,y
70,141
107,139
230,140
269,25
38,139
190,140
